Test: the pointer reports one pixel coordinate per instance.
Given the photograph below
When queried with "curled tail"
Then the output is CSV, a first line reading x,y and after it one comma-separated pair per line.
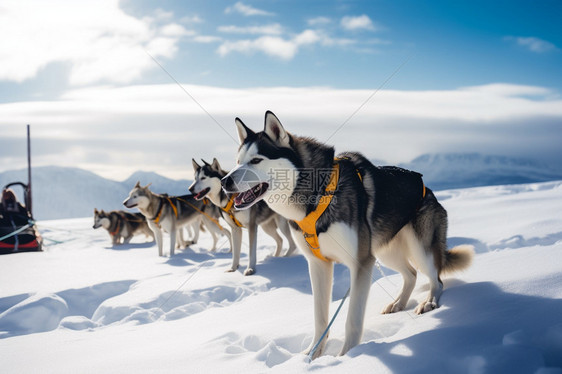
x,y
457,258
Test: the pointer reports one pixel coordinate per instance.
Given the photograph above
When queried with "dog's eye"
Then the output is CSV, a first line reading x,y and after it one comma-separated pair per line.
x,y
203,178
256,161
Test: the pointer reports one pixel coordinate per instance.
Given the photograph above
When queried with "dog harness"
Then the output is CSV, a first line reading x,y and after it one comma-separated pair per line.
x,y
159,214
205,202
114,232
308,223
228,210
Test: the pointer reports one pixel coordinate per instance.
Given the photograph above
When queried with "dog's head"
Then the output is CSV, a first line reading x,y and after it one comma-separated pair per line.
x,y
138,197
101,219
207,179
267,165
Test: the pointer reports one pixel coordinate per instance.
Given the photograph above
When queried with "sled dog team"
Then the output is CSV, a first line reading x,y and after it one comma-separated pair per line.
x,y
335,208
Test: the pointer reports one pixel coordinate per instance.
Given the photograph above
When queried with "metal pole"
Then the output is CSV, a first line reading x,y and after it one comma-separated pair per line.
x,y
29,203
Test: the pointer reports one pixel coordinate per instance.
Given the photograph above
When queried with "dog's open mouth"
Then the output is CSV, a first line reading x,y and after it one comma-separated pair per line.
x,y
248,198
202,193
130,206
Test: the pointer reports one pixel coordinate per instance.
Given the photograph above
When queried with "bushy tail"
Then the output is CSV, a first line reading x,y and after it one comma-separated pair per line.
x,y
457,258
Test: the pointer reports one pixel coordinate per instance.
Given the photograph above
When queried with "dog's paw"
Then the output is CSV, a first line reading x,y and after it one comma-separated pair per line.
x,y
393,308
249,271
232,269
426,306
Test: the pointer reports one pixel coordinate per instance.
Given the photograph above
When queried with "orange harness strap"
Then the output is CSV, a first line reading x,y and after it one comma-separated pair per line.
x,y
159,215
113,233
228,210
205,202
308,223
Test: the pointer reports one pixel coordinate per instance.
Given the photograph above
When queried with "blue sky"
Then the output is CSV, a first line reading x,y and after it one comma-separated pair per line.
x,y
465,76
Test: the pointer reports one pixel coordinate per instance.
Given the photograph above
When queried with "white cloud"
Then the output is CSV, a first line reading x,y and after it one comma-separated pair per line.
x,y
207,39
246,10
175,30
285,49
362,22
163,127
272,29
96,38
191,19
318,21
533,44
270,45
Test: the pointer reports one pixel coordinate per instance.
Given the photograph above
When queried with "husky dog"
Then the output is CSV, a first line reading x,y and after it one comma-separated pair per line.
x,y
207,184
352,213
172,213
121,225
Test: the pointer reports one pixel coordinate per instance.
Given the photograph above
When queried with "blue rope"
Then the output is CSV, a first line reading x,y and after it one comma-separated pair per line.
x,y
17,231
313,351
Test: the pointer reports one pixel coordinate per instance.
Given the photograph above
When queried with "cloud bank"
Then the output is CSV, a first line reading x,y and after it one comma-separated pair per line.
x,y
115,131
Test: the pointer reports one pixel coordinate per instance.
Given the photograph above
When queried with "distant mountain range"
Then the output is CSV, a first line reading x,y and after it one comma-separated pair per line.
x,y
60,192
453,170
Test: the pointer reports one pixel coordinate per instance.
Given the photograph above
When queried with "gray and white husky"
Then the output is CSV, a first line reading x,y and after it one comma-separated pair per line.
x,y
373,212
121,225
173,213
207,184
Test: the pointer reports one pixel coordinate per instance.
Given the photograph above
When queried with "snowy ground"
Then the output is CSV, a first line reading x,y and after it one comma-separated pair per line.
x,y
85,307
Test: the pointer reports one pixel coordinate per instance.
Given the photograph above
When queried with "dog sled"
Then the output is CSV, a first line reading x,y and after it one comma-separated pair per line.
x,y
18,232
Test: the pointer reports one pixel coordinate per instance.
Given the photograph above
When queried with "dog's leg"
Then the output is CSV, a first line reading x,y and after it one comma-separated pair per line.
x,y
157,236
321,277
270,228
360,285
435,286
172,239
395,259
283,225
236,246
229,236
196,228
253,234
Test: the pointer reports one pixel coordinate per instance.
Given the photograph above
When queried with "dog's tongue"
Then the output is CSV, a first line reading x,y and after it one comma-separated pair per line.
x,y
239,198
244,197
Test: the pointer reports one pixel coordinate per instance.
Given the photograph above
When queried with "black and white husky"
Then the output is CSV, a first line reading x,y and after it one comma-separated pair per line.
x,y
172,214
207,184
370,212
121,225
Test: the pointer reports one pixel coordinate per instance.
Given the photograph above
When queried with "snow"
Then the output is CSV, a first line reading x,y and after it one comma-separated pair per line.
x,y
83,306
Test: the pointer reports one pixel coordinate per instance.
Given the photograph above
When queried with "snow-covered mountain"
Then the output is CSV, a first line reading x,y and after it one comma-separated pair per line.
x,y
61,192
462,170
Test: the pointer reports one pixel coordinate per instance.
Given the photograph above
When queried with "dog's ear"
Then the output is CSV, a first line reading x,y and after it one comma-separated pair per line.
x,y
196,166
95,210
275,130
148,185
205,162
137,185
243,131
215,165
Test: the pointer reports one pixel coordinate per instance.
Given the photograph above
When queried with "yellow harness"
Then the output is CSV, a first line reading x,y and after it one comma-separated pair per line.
x,y
308,223
228,210
159,215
